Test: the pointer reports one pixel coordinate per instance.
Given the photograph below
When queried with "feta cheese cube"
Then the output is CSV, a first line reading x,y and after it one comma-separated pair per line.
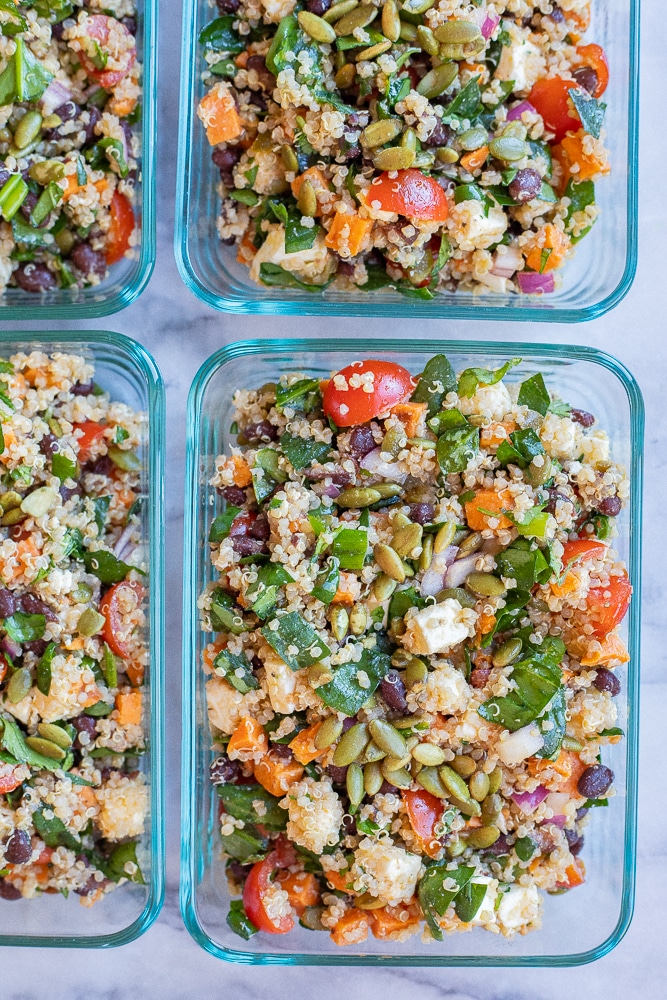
x,y
438,627
519,906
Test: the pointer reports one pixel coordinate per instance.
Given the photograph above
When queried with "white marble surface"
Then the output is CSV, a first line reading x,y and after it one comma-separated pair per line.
x,y
181,333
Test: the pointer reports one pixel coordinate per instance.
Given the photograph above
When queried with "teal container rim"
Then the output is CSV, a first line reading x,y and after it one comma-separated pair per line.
x,y
33,310
146,365
189,844
257,305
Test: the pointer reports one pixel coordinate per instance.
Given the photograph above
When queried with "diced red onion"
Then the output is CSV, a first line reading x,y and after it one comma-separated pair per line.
x,y
519,109
55,95
558,821
433,580
124,541
375,464
332,491
11,648
504,265
532,283
529,801
489,25
460,570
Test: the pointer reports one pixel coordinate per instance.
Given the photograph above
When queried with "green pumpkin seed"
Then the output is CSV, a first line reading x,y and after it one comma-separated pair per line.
x,y
290,159
54,425
339,621
516,129
358,620
479,785
383,587
458,32
351,745
328,733
437,80
37,503
495,779
473,138
429,779
394,158
307,199
125,460
465,766
65,240
408,32
12,517
6,135
354,782
456,847
570,743
417,6
338,10
507,653
46,171
394,440
459,51
427,40
409,139
359,17
409,721
400,521
19,685
400,778
469,807
539,471
387,490
471,543
454,783
491,807
319,675
396,763
311,918
458,594
372,778
373,52
485,585
407,541
91,622
416,672
508,149
445,154
400,657
55,734
389,562
360,496
369,902
346,76
483,837
27,129
428,754
444,537
45,747
426,558
83,593
316,27
10,500
372,753
422,442
387,738
380,132
391,22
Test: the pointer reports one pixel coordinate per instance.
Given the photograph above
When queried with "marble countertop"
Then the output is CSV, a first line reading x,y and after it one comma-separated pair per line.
x,y
181,333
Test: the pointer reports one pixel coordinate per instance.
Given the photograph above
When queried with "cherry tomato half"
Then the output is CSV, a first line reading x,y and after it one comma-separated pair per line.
x,y
582,548
88,433
595,57
365,389
121,228
609,605
254,890
551,99
106,36
114,606
8,779
410,193
424,813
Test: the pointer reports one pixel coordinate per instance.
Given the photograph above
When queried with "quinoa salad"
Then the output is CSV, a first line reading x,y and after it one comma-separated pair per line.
x,y
421,145
69,96
72,614
411,686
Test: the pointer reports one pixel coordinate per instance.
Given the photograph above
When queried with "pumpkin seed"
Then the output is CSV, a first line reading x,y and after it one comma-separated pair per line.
x,y
383,587
125,460
407,541
83,593
65,240
445,154
444,537
290,159
473,138
360,496
359,17
408,32
495,779
54,427
368,902
377,134
387,738
400,778
358,620
418,6
428,754
372,778
456,847
19,685
91,622
454,783
491,807
465,766
27,129
408,722
328,733
485,585
351,745
479,785
373,51
338,10
46,171
354,782
437,80
394,158
400,521
427,40
339,621
515,129
483,836
387,490
346,76
372,753
45,747
12,517
400,658
469,545
388,561
391,23
416,672
422,442
570,743
409,139
458,594
459,51
426,558
412,742
393,442
538,474
318,675
396,763
507,653
55,734
429,779
311,918
6,135
469,807
39,501
458,32
508,149
316,27
307,199
10,500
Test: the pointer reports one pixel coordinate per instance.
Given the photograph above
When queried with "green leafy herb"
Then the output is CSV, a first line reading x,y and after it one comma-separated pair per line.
x,y
472,378
533,524
273,274
465,103
14,743
368,827
63,466
22,627
524,564
24,77
238,920
589,110
402,601
222,523
297,236
43,679
302,452
522,447
101,508
525,848
295,640
458,441
536,680
53,10
468,900
99,710
263,593
16,22
350,547
346,42
266,473
236,670
288,41
246,846
219,35
326,582
53,832
534,394
437,379
239,800
560,408
434,898
225,616
551,724
106,566
591,803
581,195
344,693
25,234
303,395
121,856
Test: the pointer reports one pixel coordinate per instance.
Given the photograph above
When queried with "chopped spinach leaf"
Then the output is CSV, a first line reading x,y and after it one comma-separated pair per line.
x,y
303,452
106,566
295,640
472,378
534,394
239,922
237,670
239,801
344,693
222,523
437,379
590,110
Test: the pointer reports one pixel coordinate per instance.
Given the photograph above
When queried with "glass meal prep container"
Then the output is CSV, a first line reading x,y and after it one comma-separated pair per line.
x,y
592,282
131,376
126,279
577,927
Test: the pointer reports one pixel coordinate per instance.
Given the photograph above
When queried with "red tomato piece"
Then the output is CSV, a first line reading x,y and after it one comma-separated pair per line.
x,y
347,401
121,228
3,667
112,606
410,193
8,779
609,605
551,99
595,57
424,813
105,36
582,548
254,890
88,434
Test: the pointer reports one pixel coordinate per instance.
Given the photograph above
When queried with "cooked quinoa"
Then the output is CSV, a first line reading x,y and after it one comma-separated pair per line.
x,y
425,145
72,620
70,88
412,680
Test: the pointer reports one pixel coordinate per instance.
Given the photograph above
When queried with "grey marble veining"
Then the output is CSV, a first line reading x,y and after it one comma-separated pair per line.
x,y
181,333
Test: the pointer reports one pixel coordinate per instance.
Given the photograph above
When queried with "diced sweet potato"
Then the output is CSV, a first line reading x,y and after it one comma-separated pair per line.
x,y
410,415
348,234
548,250
486,505
128,704
613,649
303,745
218,113
352,928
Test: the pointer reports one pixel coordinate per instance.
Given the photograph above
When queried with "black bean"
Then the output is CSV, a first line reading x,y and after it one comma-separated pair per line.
x,y
237,871
386,788
557,15
337,774
595,781
362,442
281,750
580,813
440,135
228,6
611,506
258,63
392,690
246,546
349,150
318,7
582,417
587,78
101,466
82,388
480,676
89,261
67,492
28,205
260,433
572,836
554,496
84,724
48,445
35,278
526,185
577,847
224,771
345,268
499,846
8,891
68,111
349,825
57,30
422,513
4,176
260,529
349,722
606,680
18,848
93,117
130,24
227,158
256,99
32,605
9,602
234,495
37,647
